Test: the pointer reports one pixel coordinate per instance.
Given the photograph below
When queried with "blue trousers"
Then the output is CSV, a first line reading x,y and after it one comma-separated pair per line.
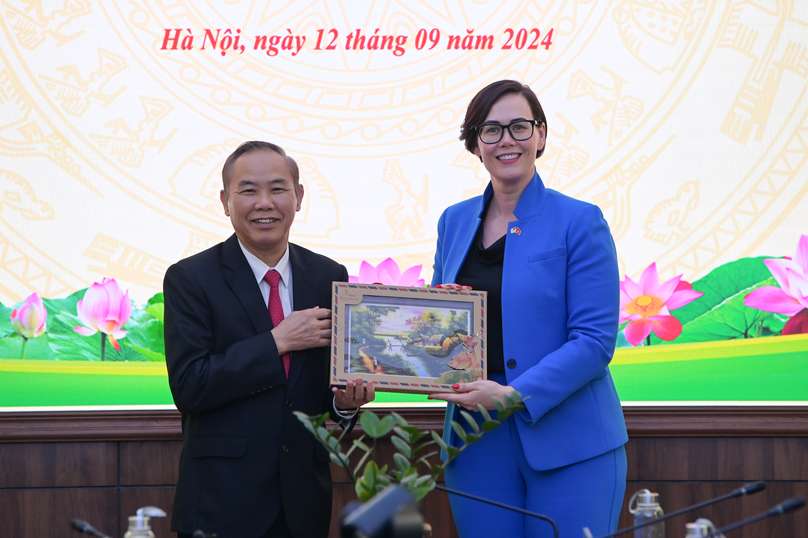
x,y
586,494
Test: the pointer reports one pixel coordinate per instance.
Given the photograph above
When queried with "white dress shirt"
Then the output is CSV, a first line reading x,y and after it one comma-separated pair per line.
x,y
283,267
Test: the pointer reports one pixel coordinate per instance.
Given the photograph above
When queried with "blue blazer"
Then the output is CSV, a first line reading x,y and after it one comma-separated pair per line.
x,y
560,302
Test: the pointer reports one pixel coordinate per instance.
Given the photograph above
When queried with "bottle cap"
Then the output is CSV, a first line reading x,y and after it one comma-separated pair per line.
x,y
643,499
140,522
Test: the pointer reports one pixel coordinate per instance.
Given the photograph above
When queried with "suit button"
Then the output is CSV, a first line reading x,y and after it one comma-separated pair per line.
x,y
288,404
285,448
511,363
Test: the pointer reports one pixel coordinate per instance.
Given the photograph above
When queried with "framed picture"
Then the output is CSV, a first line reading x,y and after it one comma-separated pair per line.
x,y
407,339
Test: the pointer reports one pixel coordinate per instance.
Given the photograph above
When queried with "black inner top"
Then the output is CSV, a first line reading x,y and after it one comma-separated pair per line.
x,y
482,270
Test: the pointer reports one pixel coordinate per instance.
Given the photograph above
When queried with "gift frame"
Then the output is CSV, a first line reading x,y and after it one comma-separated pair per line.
x,y
419,340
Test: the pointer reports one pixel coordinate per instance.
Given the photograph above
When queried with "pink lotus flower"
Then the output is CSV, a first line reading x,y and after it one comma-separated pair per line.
x,y
388,274
791,298
646,305
105,308
29,319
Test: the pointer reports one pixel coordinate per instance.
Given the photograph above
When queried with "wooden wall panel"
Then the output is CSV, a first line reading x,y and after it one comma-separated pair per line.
x,y
102,465
150,462
717,458
46,513
41,465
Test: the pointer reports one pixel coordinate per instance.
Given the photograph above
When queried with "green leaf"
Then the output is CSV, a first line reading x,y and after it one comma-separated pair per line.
x,y
513,400
422,480
357,443
437,438
398,418
370,422
453,452
363,491
420,493
319,420
401,462
374,427
490,425
68,304
157,298
371,470
402,447
472,438
412,430
157,310
720,313
37,348
471,422
153,356
6,328
484,412
498,404
148,335
337,459
402,433
459,431
361,463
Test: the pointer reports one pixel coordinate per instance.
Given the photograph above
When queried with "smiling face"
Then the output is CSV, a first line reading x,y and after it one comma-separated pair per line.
x,y
510,162
261,201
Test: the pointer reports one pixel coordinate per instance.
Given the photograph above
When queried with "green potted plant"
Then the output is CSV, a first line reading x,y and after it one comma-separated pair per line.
x,y
412,470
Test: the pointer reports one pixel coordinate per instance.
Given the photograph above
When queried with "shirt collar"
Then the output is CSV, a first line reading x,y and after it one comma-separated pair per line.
x,y
259,268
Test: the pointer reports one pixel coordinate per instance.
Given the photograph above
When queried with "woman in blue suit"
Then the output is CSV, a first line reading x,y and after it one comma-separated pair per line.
x,y
549,265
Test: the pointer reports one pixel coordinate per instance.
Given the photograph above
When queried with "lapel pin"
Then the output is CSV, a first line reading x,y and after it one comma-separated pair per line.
x,y
516,230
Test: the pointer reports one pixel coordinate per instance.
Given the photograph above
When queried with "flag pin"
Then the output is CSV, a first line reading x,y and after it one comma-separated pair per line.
x,y
516,230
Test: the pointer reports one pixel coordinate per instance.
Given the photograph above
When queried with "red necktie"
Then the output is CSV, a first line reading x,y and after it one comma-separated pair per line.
x,y
276,309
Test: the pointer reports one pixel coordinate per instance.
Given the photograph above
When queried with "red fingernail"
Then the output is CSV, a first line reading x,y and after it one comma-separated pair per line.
x,y
456,386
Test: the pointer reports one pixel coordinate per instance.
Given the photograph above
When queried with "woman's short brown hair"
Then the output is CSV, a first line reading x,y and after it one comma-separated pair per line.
x,y
482,103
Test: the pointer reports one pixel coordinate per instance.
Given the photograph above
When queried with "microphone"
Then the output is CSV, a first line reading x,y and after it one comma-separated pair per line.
x,y
748,489
786,506
83,526
501,505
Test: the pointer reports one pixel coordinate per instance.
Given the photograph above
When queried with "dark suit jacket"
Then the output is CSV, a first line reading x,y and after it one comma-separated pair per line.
x,y
244,452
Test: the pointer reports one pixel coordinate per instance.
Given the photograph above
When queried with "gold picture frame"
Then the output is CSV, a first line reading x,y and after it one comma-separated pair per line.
x,y
417,340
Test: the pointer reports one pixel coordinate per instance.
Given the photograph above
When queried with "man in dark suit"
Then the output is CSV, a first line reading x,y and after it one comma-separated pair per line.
x,y
248,467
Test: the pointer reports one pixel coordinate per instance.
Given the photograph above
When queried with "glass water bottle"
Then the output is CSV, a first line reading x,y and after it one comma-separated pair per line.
x,y
644,505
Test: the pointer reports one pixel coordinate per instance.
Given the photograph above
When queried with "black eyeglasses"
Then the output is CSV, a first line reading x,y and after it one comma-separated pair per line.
x,y
491,133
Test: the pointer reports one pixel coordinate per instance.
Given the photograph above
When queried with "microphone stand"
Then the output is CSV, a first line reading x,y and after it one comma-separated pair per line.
x,y
748,489
786,506
82,526
502,505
